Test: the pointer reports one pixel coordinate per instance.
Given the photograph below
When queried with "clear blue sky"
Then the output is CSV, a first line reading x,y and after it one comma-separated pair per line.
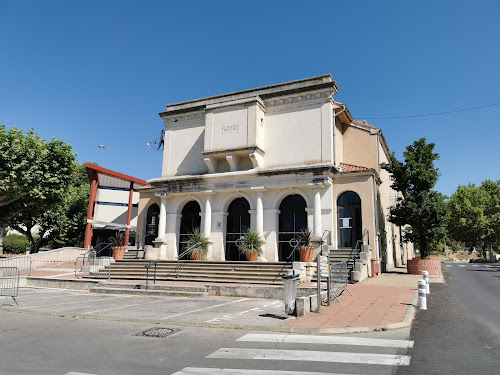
x,y
98,72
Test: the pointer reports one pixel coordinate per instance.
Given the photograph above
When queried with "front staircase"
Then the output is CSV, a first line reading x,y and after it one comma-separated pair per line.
x,y
203,271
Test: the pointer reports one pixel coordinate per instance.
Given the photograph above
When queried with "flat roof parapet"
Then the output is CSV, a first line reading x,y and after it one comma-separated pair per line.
x,y
265,92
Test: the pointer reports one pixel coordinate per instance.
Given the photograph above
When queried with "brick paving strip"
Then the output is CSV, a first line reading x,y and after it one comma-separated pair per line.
x,y
369,306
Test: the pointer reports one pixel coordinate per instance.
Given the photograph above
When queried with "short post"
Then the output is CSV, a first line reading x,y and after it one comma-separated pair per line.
x,y
318,274
426,278
422,295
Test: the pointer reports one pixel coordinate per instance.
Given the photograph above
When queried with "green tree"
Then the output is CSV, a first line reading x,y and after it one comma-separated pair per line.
x,y
474,215
34,178
421,211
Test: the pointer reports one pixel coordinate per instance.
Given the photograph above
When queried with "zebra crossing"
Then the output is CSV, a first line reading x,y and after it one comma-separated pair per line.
x,y
336,352
474,265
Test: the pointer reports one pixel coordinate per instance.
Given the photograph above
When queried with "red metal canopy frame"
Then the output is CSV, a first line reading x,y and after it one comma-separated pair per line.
x,y
93,172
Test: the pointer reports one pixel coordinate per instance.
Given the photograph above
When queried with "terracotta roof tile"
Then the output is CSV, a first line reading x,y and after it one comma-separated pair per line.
x,y
362,123
352,168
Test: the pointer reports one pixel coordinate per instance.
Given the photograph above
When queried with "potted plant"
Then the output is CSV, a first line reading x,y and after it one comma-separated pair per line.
x,y
250,244
306,250
118,245
197,245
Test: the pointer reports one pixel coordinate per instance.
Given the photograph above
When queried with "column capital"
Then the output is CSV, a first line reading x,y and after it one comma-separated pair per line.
x,y
258,189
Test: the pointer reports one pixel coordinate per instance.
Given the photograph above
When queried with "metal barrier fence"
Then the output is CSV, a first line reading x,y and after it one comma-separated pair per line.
x,y
9,283
93,267
338,280
23,263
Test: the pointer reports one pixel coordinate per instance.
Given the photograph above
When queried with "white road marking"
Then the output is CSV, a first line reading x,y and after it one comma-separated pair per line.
x,y
79,373
231,316
71,303
123,307
461,265
329,340
58,297
206,308
448,265
239,371
312,356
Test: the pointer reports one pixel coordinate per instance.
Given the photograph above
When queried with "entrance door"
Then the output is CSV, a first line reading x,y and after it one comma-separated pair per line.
x,y
293,218
190,220
152,222
238,222
349,219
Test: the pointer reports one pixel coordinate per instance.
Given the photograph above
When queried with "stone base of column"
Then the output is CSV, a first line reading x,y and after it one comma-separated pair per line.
x,y
161,244
210,255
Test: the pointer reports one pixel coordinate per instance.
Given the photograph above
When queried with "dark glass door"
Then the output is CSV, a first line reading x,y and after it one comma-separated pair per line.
x,y
238,222
293,218
189,221
349,219
152,222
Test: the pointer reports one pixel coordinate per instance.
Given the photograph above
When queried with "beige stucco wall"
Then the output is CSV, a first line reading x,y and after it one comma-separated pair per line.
x,y
360,147
182,153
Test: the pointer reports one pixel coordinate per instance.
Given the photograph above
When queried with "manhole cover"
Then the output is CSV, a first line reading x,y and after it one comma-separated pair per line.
x,y
160,332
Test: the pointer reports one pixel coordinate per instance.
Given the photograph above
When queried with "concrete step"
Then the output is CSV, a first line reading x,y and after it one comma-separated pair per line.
x,y
149,292
206,271
193,276
170,287
227,272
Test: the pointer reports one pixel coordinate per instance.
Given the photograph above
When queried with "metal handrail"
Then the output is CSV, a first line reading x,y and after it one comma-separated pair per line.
x,y
187,251
95,266
287,259
147,272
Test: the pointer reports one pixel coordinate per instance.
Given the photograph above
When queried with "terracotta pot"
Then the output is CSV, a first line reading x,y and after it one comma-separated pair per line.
x,y
306,254
196,256
118,253
252,257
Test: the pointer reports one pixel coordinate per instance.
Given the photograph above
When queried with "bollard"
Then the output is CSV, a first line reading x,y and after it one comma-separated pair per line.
x,y
422,295
426,278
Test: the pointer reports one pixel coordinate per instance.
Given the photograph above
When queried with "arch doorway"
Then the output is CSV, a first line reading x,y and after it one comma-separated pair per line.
x,y
349,219
238,222
152,221
293,218
190,220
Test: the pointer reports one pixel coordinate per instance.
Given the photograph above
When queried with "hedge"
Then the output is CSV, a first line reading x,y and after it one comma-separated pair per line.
x,y
15,244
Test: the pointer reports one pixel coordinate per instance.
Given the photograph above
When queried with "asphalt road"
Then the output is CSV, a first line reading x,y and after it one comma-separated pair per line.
x,y
208,311
39,344
459,333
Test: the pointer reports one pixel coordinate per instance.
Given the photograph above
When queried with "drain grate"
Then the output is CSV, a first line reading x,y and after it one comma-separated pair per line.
x,y
159,332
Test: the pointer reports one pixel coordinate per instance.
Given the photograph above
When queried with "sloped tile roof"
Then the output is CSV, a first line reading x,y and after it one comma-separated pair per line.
x,y
352,168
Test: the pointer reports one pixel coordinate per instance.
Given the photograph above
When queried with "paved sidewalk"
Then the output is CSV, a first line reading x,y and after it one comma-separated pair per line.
x,y
385,302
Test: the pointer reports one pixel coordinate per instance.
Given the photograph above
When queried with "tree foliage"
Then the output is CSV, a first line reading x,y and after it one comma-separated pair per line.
x,y
474,215
420,210
35,176
32,170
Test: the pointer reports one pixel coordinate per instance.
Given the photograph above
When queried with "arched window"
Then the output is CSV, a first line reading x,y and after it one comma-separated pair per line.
x,y
293,218
238,222
349,219
152,220
190,220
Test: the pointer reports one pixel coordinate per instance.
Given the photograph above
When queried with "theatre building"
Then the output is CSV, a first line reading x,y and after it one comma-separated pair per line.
x,y
276,159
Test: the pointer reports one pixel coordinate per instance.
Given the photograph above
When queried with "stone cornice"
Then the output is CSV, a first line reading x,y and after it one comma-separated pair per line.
x,y
246,181
231,150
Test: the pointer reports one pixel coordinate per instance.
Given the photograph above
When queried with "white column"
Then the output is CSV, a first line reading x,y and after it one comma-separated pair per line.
x,y
317,212
163,217
260,214
208,215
